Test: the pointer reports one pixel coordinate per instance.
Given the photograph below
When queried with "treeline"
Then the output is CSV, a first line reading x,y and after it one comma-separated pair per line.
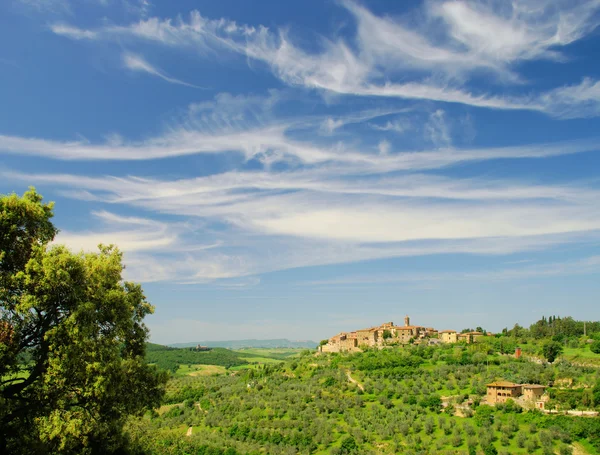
x,y
169,358
556,327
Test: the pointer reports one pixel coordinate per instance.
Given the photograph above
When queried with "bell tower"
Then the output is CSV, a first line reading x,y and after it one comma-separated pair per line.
x,y
406,321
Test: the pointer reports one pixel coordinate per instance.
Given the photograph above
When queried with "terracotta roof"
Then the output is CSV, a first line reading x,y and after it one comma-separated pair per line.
x,y
447,331
408,327
370,329
502,384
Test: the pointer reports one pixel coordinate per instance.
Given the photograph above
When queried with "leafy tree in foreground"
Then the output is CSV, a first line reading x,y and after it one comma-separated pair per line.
x,y
595,347
551,350
72,340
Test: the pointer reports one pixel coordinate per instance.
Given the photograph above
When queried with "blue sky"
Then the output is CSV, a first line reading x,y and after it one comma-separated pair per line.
x,y
293,169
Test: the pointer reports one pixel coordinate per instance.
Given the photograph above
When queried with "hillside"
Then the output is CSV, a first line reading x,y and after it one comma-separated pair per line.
x,y
239,344
409,400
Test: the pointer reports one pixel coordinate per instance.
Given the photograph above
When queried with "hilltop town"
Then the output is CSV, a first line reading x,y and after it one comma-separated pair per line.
x,y
389,334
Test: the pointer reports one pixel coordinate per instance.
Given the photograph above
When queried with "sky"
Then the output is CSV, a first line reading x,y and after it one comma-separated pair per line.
x,y
295,169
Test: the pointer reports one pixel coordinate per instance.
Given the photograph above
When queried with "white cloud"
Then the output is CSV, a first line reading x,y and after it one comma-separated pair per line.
x,y
276,220
437,130
235,126
343,197
398,126
384,147
574,101
135,62
73,32
455,38
132,234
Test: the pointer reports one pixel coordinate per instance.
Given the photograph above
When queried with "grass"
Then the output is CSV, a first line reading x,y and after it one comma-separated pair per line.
x,y
261,360
579,352
200,370
581,355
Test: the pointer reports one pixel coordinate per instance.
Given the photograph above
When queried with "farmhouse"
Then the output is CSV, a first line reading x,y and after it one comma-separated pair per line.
x,y
499,392
533,392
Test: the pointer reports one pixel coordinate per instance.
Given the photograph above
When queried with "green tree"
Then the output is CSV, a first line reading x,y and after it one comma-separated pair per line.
x,y
551,350
595,347
348,446
596,393
72,340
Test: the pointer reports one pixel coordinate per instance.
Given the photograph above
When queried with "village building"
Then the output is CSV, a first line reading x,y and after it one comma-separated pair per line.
x,y
448,336
386,333
499,392
342,342
405,334
368,337
533,392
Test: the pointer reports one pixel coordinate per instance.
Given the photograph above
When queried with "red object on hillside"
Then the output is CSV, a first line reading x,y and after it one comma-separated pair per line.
x,y
517,353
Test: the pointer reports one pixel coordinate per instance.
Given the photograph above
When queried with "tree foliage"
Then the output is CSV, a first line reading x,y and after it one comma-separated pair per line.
x,y
72,340
551,350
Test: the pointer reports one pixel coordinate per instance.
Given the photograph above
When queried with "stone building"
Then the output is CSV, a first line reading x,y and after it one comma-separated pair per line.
x,y
533,392
368,337
448,336
404,334
500,391
342,342
376,337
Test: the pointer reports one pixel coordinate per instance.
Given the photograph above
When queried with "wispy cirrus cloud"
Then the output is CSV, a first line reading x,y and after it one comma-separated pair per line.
x,y
275,219
296,184
137,63
465,39
574,101
251,128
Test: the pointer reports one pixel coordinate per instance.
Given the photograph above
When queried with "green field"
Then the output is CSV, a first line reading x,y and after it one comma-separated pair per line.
x,y
583,355
199,370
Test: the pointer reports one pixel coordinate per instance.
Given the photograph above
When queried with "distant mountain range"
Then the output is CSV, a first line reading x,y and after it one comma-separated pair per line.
x,y
238,344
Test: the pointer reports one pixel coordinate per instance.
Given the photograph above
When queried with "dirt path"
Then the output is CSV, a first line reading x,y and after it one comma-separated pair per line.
x,y
189,432
354,381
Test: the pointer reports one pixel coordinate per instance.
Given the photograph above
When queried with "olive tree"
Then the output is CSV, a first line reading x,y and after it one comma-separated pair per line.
x,y
72,340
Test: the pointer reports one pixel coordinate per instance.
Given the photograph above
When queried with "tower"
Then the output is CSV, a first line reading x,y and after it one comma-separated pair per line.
x,y
406,321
